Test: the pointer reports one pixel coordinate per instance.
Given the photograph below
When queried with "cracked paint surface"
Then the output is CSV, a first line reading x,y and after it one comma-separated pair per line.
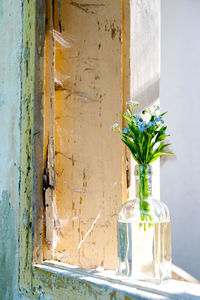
x,y
88,98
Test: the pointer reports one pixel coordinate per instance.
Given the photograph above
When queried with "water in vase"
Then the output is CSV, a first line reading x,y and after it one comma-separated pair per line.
x,y
144,234
144,250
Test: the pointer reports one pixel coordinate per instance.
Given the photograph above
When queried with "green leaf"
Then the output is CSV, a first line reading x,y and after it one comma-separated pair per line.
x,y
125,117
161,137
132,148
163,114
161,147
127,134
147,148
135,130
158,150
161,130
155,156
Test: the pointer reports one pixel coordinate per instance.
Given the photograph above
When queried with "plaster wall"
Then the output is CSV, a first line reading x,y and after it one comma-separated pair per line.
x,y
145,68
179,94
10,97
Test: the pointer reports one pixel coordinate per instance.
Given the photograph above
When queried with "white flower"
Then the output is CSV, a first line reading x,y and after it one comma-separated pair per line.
x,y
157,107
144,109
114,126
132,102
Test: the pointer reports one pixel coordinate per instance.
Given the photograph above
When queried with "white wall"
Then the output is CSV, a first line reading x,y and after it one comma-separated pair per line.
x,y
145,67
180,96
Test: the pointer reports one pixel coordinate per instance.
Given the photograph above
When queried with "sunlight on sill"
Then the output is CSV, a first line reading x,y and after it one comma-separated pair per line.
x,y
172,289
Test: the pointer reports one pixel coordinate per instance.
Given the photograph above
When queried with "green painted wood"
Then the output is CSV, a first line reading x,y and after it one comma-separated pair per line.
x,y
31,135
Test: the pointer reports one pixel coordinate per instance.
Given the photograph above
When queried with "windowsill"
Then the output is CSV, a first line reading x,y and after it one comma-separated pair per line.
x,y
108,280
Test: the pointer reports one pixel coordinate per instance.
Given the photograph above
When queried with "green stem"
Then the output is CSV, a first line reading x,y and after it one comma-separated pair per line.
x,y
144,193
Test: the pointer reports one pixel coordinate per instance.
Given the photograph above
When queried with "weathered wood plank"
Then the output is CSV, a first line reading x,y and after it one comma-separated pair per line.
x,y
49,79
38,159
52,225
90,75
49,131
126,87
31,135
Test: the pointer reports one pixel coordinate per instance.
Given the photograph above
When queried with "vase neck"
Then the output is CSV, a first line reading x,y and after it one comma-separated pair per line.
x,y
143,176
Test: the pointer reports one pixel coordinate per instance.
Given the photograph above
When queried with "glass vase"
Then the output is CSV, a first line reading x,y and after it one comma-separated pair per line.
x,y
144,234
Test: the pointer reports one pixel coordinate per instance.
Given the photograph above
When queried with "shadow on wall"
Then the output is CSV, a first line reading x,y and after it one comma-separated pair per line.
x,y
148,94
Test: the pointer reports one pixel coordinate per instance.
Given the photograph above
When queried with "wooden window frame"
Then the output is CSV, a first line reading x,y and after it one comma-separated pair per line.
x,y
53,279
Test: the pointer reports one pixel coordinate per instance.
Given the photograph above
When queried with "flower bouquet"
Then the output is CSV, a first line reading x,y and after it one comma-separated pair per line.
x,y
144,137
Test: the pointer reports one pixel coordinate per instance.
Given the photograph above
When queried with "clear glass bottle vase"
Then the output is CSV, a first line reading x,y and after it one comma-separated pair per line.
x,y
144,234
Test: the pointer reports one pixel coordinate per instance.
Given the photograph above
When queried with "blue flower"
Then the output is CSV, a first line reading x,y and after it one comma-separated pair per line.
x,y
138,123
154,123
149,124
157,119
142,128
137,117
126,130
